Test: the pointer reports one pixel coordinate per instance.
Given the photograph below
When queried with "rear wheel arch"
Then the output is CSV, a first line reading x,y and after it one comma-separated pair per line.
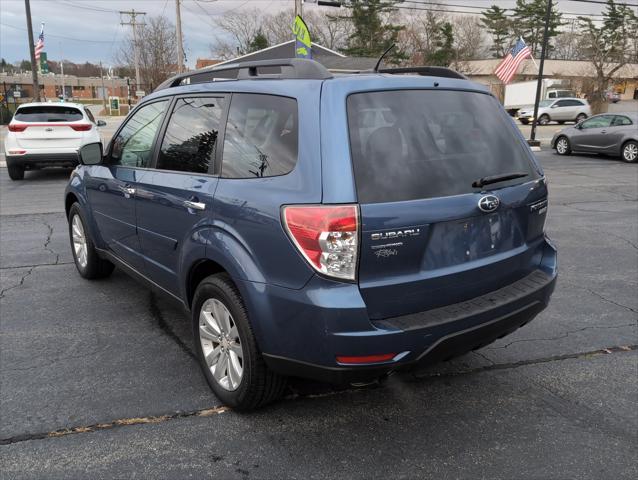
x,y
198,272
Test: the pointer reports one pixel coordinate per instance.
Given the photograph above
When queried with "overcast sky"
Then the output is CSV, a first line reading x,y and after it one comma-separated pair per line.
x,y
90,30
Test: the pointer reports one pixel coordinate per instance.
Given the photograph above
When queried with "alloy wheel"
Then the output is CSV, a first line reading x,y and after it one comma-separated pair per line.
x,y
630,152
221,344
562,146
79,241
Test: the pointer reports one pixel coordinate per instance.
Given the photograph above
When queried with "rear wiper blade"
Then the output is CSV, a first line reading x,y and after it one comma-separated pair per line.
x,y
498,178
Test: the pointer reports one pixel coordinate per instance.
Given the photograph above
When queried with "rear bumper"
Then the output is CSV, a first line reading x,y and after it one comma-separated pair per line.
x,y
301,332
446,347
38,160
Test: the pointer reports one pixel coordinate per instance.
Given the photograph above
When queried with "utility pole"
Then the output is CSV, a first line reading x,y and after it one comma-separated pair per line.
x,y
103,89
34,71
133,23
532,138
62,71
180,42
298,8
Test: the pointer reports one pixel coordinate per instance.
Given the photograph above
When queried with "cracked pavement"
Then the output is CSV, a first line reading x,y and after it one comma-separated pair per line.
x,y
97,379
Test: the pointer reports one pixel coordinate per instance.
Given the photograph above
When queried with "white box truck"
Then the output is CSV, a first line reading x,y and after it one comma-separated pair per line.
x,y
523,94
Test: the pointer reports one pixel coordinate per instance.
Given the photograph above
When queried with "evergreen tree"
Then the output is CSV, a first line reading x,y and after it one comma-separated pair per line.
x,y
444,54
529,22
373,32
498,25
259,42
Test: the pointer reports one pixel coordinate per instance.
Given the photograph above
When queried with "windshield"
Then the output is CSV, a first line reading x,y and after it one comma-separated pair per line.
x,y
412,144
48,113
544,103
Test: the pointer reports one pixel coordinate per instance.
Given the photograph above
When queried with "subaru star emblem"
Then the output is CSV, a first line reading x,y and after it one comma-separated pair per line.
x,y
489,203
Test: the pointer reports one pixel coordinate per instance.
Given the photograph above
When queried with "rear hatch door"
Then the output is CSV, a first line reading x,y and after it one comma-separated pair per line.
x,y
50,126
430,238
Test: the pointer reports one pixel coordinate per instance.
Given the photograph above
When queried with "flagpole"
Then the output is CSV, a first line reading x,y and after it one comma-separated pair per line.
x,y
34,72
532,138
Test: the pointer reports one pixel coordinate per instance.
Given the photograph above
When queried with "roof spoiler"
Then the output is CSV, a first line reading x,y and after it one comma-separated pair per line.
x,y
291,68
426,71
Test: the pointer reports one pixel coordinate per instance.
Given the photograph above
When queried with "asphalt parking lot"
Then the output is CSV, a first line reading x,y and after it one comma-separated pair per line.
x,y
98,379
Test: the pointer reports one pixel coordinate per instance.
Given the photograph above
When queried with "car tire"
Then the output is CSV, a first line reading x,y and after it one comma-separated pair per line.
x,y
524,121
86,258
16,172
580,117
223,334
562,146
629,152
543,119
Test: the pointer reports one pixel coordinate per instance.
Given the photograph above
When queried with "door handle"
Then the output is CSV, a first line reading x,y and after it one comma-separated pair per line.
x,y
194,205
603,131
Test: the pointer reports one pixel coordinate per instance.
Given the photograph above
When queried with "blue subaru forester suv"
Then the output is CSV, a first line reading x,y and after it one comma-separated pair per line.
x,y
330,227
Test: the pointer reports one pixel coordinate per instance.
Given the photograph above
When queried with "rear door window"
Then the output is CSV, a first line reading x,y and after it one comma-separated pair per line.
x,y
48,113
190,140
413,144
621,120
261,136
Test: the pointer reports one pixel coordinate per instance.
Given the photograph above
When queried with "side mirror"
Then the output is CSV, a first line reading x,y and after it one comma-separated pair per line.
x,y
90,154
554,106
101,123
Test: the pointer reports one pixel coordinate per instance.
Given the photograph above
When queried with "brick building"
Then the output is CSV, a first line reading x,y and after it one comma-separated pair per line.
x,y
76,88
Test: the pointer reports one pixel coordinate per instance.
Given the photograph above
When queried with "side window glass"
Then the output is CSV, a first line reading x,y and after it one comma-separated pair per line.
x,y
261,136
133,146
89,114
620,121
597,122
560,103
191,136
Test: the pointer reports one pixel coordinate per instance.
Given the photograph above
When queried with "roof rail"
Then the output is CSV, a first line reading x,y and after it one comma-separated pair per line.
x,y
290,68
426,71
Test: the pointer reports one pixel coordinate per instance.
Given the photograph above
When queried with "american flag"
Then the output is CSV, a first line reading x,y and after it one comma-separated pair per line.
x,y
508,67
40,45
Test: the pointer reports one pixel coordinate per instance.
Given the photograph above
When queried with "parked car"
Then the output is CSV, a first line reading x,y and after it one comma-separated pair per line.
x,y
613,97
47,135
611,134
561,110
333,228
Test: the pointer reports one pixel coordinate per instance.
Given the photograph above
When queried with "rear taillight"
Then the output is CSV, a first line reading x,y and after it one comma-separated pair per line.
x,y
81,127
327,236
17,128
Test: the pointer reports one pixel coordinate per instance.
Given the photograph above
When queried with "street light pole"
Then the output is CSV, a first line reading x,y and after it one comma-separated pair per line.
x,y
532,138
34,71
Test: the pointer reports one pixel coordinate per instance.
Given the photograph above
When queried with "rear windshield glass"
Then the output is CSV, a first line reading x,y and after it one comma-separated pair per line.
x,y
48,113
412,144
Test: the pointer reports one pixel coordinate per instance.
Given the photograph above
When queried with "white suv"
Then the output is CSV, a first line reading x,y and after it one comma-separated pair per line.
x,y
48,134
560,110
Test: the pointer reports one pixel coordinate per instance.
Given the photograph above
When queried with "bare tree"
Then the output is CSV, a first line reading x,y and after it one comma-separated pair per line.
x,y
240,28
568,46
157,51
469,41
608,47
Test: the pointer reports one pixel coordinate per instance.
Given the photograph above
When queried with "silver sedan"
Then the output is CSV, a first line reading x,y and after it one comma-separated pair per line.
x,y
609,133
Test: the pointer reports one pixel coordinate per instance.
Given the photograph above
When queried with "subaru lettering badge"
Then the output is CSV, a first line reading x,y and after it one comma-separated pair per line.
x,y
489,203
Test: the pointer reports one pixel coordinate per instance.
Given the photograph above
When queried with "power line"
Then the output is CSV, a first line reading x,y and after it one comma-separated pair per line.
x,y
59,36
476,7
